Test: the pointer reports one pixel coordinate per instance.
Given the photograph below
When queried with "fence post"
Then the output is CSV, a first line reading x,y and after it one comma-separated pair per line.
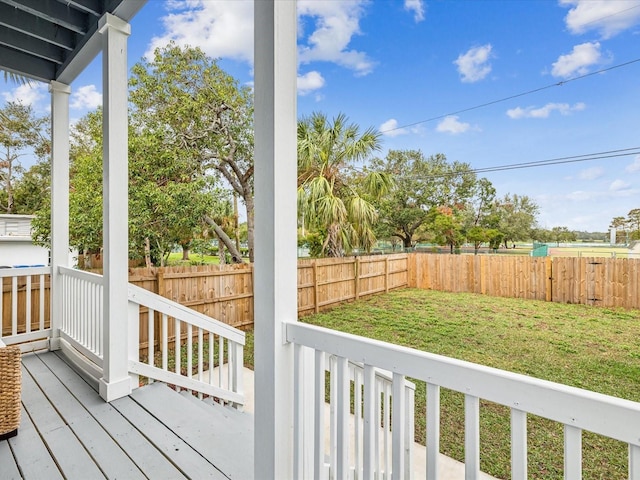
x,y
386,275
316,302
357,278
549,279
483,274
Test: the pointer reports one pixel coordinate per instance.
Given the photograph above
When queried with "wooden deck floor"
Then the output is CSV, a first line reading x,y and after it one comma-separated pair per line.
x,y
67,431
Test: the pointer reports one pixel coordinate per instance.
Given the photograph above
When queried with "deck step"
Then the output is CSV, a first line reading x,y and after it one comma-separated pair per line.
x,y
221,413
224,436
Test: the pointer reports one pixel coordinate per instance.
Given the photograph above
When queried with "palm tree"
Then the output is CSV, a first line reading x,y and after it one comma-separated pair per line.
x,y
333,198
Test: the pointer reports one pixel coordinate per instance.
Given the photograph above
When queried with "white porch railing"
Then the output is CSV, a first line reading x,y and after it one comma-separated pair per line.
x,y
218,344
384,395
82,322
574,408
24,312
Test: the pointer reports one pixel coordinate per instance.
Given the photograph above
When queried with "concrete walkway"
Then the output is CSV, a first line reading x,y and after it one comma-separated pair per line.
x,y
449,469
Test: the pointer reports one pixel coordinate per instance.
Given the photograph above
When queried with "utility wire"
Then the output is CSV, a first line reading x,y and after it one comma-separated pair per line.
x,y
623,152
560,160
611,15
511,97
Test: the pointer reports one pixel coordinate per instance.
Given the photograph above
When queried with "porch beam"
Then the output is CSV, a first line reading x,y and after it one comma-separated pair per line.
x,y
115,382
275,263
59,200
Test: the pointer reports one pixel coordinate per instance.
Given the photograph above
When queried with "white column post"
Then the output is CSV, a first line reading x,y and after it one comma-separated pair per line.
x,y
276,251
115,382
59,200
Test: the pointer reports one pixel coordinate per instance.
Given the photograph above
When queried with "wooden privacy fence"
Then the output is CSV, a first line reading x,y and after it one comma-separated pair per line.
x,y
606,282
25,299
225,292
323,282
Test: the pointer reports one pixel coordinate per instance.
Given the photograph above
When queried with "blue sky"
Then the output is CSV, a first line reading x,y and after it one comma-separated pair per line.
x,y
392,64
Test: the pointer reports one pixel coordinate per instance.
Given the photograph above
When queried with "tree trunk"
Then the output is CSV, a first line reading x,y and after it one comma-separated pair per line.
x,y
9,188
185,251
222,236
222,258
250,224
235,220
147,252
332,244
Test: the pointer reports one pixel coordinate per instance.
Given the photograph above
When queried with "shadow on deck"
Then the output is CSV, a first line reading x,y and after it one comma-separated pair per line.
x,y
68,431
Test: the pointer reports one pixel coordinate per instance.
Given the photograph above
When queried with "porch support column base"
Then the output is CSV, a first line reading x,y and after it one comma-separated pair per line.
x,y
54,342
113,390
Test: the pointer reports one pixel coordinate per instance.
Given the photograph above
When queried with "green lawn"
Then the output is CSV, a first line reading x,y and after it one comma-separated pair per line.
x,y
583,346
175,258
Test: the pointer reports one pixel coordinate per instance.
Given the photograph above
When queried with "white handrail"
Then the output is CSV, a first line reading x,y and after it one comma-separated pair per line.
x,y
186,314
83,326
575,408
224,347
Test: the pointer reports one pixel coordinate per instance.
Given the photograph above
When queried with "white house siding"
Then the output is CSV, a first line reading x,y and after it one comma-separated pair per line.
x,y
16,247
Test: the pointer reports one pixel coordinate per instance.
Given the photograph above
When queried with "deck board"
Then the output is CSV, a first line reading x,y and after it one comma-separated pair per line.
x,y
67,431
192,464
107,454
9,469
67,451
146,456
222,438
34,459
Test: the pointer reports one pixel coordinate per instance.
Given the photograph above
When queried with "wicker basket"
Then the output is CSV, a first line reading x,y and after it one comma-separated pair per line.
x,y
10,385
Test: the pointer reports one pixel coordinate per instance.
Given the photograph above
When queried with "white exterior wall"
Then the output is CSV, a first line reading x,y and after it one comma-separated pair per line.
x,y
20,251
16,247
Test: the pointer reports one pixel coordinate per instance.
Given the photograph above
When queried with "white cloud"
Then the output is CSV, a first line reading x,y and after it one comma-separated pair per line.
x,y
224,29
618,185
219,28
544,112
578,61
417,7
451,125
86,97
581,195
591,173
390,128
474,64
608,17
634,166
309,82
335,24
27,94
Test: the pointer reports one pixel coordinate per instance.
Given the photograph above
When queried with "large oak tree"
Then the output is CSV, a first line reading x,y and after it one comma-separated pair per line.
x,y
198,112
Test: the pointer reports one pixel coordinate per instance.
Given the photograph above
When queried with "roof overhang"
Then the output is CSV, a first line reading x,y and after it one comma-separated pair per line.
x,y
55,39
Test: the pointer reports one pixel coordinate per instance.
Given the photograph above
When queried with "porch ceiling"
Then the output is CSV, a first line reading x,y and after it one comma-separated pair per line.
x,y
54,39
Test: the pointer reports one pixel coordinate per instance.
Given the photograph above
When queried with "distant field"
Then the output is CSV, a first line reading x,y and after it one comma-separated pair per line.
x,y
589,251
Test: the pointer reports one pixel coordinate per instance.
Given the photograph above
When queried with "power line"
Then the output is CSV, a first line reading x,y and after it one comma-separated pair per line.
x,y
623,152
611,15
561,160
511,97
